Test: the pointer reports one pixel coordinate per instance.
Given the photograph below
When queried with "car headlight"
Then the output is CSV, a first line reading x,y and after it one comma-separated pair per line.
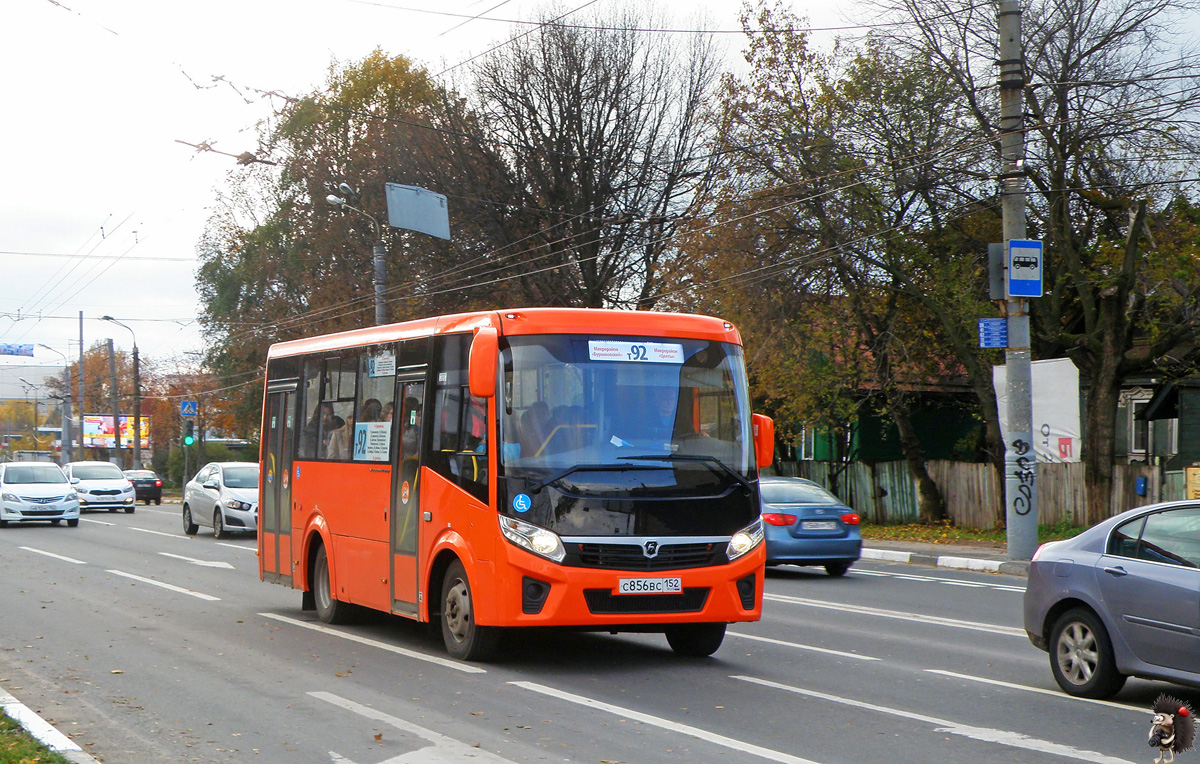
x,y
72,496
235,504
533,538
745,540
10,497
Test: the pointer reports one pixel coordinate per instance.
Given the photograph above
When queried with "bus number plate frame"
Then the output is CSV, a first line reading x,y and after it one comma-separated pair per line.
x,y
669,585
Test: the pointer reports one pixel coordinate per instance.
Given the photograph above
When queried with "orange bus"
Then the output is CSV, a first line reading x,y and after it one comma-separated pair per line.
x,y
581,468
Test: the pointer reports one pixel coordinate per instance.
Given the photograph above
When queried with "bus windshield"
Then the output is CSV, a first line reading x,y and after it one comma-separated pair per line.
x,y
573,400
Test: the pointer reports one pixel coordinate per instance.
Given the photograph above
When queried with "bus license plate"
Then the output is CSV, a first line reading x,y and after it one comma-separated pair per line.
x,y
649,586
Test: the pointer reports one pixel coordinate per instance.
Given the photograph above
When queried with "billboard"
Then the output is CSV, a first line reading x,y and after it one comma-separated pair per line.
x,y
98,431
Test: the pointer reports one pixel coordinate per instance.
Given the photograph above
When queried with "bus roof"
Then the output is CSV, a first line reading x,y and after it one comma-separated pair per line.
x,y
518,321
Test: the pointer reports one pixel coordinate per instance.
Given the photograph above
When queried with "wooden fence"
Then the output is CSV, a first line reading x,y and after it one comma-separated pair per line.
x,y
885,493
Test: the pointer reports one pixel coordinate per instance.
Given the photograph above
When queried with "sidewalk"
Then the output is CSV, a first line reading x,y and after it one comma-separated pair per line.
x,y
989,558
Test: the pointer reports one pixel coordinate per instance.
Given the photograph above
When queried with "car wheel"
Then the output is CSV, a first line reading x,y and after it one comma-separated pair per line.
x,y
56,521
464,638
1081,656
157,501
219,525
837,568
329,608
73,522
129,509
697,640
189,527
112,509
3,523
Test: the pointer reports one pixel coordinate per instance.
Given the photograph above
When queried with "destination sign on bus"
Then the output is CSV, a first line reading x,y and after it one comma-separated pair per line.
x,y
636,352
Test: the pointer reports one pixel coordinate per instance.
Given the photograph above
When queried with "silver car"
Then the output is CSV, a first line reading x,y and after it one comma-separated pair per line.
x,y
1120,599
224,497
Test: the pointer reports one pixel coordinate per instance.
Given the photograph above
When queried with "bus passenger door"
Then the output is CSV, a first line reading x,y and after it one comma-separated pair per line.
x,y
275,521
406,494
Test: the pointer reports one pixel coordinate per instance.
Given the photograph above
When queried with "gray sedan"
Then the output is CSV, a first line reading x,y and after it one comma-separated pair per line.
x,y
1120,599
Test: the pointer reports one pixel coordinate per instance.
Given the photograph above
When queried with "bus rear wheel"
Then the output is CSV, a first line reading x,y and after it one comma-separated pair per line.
x,y
329,608
697,640
464,638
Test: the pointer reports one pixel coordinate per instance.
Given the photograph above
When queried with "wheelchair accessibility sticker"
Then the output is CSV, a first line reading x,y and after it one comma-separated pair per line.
x,y
522,502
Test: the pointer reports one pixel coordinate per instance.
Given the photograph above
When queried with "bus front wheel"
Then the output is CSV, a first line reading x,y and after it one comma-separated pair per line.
x,y
329,608
698,640
465,639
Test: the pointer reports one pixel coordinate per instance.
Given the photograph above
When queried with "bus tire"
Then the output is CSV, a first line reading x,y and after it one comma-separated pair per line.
x,y
329,608
696,640
464,638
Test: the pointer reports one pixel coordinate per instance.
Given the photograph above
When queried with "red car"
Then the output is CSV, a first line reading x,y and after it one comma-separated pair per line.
x,y
146,485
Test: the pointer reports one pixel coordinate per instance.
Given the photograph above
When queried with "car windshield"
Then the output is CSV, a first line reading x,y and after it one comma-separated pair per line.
x,y
592,400
97,471
139,474
795,493
241,476
33,473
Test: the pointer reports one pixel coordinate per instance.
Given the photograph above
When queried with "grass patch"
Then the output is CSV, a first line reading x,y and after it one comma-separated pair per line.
x,y
945,533
19,747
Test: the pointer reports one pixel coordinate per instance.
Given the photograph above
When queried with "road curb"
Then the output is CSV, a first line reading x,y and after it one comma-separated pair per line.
x,y
1009,567
44,731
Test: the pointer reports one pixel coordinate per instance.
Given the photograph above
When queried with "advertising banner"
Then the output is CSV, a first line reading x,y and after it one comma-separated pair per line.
x,y
98,432
1056,429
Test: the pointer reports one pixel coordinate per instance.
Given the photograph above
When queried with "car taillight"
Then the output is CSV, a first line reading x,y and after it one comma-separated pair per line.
x,y
776,518
158,484
850,518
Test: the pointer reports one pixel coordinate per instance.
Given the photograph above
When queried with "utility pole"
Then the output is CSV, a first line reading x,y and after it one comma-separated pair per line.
x,y
1020,461
82,406
137,411
116,406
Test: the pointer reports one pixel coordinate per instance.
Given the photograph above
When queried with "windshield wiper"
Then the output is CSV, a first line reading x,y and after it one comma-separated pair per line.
x,y
585,468
708,460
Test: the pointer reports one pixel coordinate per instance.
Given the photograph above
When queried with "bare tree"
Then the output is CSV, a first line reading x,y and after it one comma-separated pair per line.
x,y
600,127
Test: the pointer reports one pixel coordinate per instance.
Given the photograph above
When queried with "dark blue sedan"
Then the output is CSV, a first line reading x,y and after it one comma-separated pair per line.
x,y
807,525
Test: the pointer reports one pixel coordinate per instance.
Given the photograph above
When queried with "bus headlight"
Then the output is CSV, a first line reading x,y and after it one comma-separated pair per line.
x,y
537,540
745,540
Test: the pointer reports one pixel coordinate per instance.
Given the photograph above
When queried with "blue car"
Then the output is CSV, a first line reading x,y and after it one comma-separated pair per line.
x,y
1120,599
807,525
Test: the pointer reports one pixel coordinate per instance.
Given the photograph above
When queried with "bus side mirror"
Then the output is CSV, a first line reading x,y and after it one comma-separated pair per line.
x,y
485,351
764,439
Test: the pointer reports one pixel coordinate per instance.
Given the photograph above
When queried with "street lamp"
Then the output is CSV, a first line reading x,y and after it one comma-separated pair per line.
x,y
137,399
66,410
377,250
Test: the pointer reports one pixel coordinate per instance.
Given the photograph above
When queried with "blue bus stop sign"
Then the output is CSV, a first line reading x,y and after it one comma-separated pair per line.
x,y
1024,268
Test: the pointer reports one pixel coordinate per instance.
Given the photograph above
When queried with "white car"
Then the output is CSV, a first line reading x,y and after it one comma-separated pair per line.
x,y
223,496
36,491
101,485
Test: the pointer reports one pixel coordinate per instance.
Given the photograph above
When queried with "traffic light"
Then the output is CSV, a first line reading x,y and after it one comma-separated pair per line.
x,y
189,432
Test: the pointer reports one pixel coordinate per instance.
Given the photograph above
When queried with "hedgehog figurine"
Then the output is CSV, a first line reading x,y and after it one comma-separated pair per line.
x,y
1173,729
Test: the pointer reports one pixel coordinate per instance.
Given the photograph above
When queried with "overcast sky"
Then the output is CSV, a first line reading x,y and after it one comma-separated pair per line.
x,y
102,207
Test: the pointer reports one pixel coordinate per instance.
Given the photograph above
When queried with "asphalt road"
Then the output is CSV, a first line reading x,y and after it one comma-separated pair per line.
x,y
147,646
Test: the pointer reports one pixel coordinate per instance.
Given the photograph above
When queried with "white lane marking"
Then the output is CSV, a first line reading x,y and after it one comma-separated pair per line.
x,y
1039,690
172,587
967,584
194,561
985,734
239,546
464,667
160,533
903,616
446,750
97,522
799,646
738,745
36,725
55,556
912,576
